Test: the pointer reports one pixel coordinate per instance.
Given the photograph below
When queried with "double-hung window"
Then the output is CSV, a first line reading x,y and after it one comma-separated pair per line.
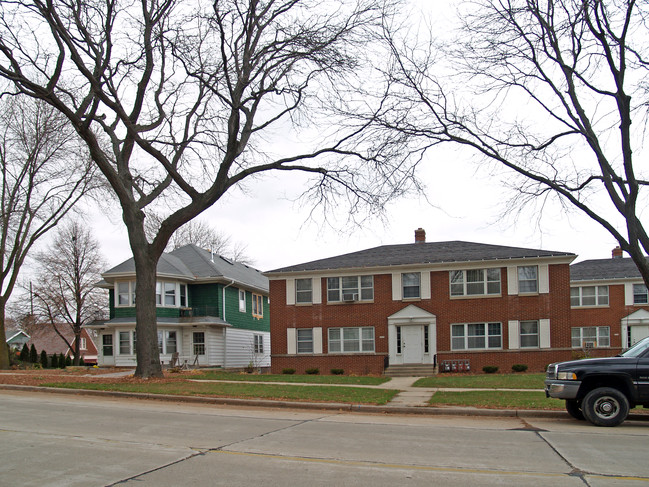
x,y
589,296
125,343
475,282
476,336
529,333
640,294
303,290
528,281
597,336
350,288
170,294
304,340
351,339
167,343
258,343
126,293
411,282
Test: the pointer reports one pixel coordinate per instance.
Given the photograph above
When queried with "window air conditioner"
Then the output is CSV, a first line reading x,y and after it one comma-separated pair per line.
x,y
350,297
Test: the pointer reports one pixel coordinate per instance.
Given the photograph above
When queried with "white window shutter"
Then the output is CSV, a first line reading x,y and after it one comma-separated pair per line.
x,y
291,341
514,335
628,294
316,286
512,280
425,285
396,286
544,333
544,279
290,292
317,340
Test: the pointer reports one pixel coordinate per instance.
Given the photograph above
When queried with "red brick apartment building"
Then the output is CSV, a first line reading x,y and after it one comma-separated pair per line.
x,y
456,305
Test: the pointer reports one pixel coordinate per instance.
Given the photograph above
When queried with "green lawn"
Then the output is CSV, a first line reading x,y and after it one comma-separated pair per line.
x,y
496,399
346,395
304,379
484,381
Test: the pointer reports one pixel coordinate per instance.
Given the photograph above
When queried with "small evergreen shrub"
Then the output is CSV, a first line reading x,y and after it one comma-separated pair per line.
x,y
24,353
33,355
337,371
288,371
519,367
55,361
81,362
44,360
490,369
313,371
61,361
68,360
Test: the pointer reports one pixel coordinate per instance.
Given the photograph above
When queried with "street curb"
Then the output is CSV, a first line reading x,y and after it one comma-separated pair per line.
x,y
362,408
356,408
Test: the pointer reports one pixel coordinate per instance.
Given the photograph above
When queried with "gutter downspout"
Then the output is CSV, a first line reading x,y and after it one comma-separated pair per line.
x,y
225,330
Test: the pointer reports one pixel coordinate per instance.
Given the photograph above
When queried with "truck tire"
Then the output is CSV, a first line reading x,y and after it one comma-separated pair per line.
x,y
605,406
573,407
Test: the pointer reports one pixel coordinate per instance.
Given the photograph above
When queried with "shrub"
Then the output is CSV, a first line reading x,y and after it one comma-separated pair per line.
x,y
61,361
43,359
55,361
68,360
490,369
313,371
519,367
288,371
337,371
24,353
81,362
33,355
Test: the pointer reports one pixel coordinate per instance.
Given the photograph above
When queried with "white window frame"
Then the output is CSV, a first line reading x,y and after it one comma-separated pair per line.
x,y
536,334
488,336
304,291
523,279
415,284
344,342
304,337
459,280
337,287
164,339
578,295
130,342
242,300
640,290
129,293
258,344
83,344
601,337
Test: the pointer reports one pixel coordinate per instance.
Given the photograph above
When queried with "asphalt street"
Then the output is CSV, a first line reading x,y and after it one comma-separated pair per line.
x,y
62,440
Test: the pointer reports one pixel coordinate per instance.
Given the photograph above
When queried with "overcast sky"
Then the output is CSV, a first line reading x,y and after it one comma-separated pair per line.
x,y
464,203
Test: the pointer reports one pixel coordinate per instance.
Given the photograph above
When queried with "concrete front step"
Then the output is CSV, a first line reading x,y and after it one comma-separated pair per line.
x,y
410,371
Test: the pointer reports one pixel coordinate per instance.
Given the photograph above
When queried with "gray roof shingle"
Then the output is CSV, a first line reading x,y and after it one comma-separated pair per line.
x,y
600,269
422,253
192,262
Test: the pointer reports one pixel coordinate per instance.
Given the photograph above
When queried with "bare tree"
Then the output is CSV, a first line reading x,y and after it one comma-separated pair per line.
x,y
44,174
548,89
66,275
180,102
201,234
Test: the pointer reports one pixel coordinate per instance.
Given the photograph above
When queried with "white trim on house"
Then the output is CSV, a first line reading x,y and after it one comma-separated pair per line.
x,y
412,316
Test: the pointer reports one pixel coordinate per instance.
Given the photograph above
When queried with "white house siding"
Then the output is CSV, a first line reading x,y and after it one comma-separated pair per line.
x,y
240,348
215,343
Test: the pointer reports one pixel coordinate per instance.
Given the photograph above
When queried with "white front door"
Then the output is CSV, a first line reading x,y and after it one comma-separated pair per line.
x,y
412,344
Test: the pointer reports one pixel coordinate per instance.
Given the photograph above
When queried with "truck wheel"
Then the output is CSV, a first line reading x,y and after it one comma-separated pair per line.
x,y
574,409
605,406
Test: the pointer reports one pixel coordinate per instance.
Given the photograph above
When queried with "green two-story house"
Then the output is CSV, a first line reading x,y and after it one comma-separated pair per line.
x,y
211,312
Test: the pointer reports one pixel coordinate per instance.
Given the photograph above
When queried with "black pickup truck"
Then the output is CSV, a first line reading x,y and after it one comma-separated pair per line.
x,y
602,390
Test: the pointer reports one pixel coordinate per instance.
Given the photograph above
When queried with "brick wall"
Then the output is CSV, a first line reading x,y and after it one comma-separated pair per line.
x,y
554,306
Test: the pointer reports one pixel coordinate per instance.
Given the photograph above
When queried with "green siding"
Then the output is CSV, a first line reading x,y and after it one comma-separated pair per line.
x,y
207,299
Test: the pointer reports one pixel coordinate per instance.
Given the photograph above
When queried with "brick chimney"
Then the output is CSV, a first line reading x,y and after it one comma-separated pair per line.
x,y
420,235
617,252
